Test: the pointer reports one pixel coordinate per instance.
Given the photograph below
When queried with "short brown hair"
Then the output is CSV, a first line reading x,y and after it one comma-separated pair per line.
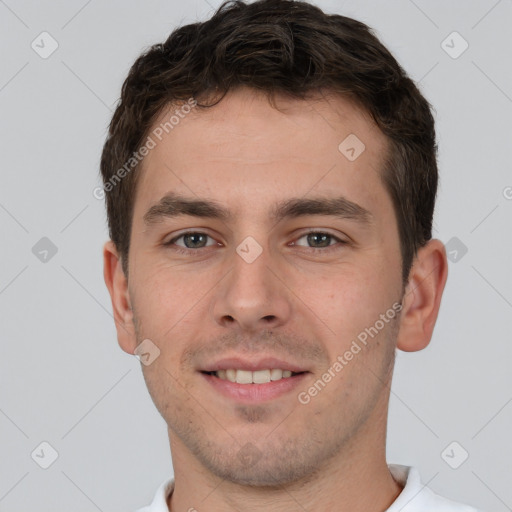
x,y
283,47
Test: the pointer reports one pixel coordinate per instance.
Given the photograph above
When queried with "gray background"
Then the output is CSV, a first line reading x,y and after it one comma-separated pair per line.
x,y
63,378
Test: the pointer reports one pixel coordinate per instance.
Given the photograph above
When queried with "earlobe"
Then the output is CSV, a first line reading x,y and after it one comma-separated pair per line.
x,y
422,297
117,285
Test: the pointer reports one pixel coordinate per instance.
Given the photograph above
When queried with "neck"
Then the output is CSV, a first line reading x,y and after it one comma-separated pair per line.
x,y
355,479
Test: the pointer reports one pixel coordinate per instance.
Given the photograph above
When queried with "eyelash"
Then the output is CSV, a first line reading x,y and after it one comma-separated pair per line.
x,y
187,251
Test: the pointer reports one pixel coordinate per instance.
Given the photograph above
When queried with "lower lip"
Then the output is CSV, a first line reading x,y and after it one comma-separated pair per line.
x,y
252,393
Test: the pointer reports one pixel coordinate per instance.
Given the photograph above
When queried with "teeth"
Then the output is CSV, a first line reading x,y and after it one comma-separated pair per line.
x,y
258,377
276,374
243,377
261,376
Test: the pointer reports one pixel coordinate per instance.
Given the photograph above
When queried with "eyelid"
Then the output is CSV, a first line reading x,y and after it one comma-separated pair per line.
x,y
201,231
323,232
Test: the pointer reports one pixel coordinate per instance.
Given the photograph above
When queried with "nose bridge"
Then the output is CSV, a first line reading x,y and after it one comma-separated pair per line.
x,y
251,295
251,267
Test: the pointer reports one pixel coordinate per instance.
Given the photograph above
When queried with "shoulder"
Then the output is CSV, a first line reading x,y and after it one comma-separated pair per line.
x,y
159,503
417,497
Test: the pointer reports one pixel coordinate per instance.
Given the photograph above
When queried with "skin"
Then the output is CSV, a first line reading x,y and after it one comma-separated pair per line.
x,y
292,302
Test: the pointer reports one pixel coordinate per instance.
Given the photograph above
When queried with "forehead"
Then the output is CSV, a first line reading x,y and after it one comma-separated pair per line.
x,y
244,152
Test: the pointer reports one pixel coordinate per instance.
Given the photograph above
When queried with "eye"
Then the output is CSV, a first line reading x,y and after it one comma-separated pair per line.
x,y
318,240
192,240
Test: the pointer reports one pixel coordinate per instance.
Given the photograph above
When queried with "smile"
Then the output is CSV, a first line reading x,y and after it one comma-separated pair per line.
x,y
257,377
250,387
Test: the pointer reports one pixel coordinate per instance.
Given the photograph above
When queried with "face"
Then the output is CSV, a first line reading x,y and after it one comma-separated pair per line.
x,y
273,251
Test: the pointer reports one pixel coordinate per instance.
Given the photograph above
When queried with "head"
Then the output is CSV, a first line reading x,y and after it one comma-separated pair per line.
x,y
270,179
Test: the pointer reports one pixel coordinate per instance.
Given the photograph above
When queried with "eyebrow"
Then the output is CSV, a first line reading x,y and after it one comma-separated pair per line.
x,y
174,205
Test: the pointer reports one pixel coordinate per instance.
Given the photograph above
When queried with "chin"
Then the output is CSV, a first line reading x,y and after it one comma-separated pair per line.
x,y
265,476
270,467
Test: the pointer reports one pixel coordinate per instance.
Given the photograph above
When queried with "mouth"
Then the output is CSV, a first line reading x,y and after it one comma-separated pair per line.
x,y
256,377
250,382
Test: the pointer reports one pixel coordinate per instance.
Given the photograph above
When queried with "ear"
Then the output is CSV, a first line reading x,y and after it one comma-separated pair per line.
x,y
422,297
117,285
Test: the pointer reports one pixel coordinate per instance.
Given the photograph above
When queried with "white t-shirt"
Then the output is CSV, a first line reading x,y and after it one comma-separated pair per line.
x,y
415,497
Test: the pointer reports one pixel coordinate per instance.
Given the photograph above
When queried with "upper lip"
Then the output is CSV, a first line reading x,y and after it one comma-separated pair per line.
x,y
253,365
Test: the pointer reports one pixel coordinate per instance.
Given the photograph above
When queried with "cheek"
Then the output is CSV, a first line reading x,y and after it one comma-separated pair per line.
x,y
160,301
170,299
351,300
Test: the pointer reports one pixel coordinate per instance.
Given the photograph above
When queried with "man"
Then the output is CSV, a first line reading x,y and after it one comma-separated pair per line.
x,y
270,179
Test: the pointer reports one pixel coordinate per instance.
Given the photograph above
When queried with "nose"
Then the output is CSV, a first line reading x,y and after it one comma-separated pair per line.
x,y
253,296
